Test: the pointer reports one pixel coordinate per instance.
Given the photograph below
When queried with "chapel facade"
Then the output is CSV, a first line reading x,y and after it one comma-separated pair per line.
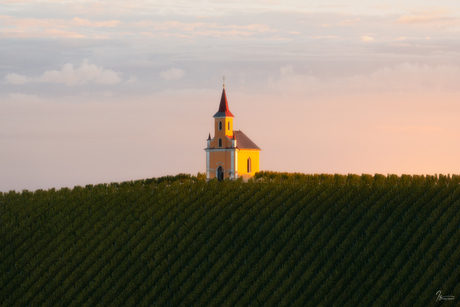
x,y
230,154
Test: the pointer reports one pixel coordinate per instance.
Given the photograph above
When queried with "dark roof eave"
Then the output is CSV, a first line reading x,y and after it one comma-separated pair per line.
x,y
239,148
255,149
223,114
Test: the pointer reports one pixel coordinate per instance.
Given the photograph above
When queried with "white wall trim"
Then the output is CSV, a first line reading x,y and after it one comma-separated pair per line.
x,y
207,164
232,167
236,164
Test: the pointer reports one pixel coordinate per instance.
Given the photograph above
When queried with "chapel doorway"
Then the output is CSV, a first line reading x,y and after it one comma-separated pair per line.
x,y
220,173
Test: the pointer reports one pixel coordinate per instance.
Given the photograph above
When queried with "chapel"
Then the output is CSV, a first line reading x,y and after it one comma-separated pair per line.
x,y
230,153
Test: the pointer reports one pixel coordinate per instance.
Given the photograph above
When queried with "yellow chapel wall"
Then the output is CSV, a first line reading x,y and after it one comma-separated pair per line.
x,y
243,155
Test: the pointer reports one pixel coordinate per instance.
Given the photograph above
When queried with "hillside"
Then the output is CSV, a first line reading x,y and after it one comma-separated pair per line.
x,y
279,240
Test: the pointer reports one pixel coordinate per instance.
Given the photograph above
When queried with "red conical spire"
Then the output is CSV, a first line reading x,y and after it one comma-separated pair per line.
x,y
223,111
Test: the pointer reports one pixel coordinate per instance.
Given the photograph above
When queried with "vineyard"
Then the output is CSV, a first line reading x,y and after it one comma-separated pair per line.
x,y
277,240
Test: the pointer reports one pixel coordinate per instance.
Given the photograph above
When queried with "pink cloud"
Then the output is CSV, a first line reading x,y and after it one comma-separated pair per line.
x,y
438,17
366,38
97,24
350,22
323,36
199,29
33,27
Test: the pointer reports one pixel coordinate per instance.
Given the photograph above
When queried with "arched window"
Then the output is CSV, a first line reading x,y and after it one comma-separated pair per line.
x,y
220,142
228,125
220,125
249,165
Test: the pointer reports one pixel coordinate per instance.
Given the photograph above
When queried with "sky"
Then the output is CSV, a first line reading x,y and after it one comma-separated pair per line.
x,y
108,91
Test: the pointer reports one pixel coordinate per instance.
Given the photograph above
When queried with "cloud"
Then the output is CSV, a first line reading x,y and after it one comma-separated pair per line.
x,y
81,75
16,79
251,27
173,74
25,23
381,7
410,77
286,70
404,77
290,82
86,73
366,38
87,23
168,25
323,36
429,17
349,22
35,27
132,79
173,28
50,33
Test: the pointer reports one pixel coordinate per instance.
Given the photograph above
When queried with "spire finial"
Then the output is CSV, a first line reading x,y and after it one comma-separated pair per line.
x,y
223,78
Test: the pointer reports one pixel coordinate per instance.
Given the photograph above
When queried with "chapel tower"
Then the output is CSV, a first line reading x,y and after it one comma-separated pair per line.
x,y
230,154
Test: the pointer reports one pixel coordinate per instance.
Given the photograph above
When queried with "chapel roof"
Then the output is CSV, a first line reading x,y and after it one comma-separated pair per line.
x,y
243,142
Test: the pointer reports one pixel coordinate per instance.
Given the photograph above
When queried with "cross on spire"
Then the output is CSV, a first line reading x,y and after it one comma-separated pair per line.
x,y
223,78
